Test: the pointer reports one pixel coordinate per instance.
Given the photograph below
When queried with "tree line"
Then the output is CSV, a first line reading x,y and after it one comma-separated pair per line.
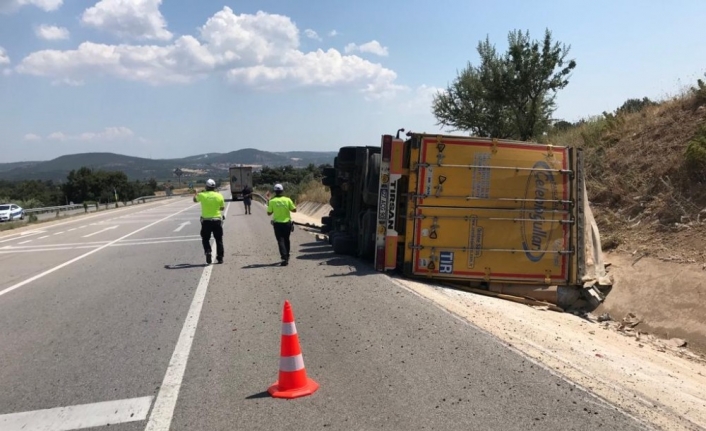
x,y
81,185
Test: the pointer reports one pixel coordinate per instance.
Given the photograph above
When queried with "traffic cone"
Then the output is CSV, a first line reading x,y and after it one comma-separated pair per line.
x,y
293,382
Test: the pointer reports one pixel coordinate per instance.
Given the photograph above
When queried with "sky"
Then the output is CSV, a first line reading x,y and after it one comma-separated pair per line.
x,y
166,79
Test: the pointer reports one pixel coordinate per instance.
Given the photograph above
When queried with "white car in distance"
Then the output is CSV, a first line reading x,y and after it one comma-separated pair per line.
x,y
10,212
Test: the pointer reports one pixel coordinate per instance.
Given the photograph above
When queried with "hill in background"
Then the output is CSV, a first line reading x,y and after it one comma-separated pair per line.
x,y
210,164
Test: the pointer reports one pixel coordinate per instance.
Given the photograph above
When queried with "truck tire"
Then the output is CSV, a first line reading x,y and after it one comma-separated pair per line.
x,y
328,181
367,235
344,244
372,181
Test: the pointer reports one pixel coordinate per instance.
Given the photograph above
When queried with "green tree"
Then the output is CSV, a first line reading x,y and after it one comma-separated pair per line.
x,y
507,96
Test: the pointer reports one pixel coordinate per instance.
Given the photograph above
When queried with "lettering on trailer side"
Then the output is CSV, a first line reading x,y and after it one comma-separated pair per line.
x,y
475,242
538,215
480,176
392,206
446,262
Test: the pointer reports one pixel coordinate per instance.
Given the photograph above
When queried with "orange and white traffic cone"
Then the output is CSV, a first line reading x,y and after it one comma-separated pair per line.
x,y
293,382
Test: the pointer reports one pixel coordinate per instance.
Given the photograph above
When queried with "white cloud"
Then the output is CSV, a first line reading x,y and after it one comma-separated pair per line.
x,y
421,98
107,134
333,33
311,34
372,47
68,81
51,32
32,137
319,68
4,58
255,50
128,19
8,6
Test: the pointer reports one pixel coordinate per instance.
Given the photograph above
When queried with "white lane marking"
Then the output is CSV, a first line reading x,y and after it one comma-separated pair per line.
x,y
34,250
42,237
24,242
76,259
100,231
81,227
59,233
79,416
21,235
163,410
162,237
72,229
161,204
69,245
181,226
124,244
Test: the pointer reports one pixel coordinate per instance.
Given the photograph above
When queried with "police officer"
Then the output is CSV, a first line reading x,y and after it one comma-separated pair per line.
x,y
212,206
280,207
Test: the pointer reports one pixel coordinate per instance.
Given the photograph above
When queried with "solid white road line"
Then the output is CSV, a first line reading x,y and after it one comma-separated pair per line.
x,y
59,233
79,416
42,237
24,242
76,259
163,410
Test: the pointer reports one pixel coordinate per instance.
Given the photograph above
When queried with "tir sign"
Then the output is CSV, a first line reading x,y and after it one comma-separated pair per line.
x,y
446,262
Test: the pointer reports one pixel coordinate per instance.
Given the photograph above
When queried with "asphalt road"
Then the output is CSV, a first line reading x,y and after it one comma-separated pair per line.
x,y
114,319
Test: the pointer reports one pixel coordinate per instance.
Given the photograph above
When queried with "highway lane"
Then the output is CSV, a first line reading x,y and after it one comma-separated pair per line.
x,y
44,246
111,327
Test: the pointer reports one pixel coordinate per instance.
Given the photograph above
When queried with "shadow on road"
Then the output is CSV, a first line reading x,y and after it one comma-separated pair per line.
x,y
323,252
262,265
264,394
185,265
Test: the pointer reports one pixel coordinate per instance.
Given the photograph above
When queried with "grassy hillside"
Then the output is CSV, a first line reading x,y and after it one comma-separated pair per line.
x,y
647,176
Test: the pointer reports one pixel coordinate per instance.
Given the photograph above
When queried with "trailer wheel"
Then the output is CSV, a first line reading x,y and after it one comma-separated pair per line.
x,y
372,181
344,244
328,181
367,235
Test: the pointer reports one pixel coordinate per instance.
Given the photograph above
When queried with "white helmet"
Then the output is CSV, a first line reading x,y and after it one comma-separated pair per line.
x,y
279,188
210,183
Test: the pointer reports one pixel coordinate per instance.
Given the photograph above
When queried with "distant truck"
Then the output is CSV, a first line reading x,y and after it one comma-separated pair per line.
x,y
504,216
240,176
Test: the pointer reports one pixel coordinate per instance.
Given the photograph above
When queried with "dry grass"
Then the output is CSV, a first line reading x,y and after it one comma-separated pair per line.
x,y
314,191
636,170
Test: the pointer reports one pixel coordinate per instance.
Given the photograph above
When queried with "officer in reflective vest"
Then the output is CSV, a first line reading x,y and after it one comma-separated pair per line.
x,y
280,207
212,206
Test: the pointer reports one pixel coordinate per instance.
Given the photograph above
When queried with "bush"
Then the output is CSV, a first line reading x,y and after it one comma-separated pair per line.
x,y
631,106
695,156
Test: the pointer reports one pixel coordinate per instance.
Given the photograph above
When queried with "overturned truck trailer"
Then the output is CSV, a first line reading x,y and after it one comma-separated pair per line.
x,y
507,217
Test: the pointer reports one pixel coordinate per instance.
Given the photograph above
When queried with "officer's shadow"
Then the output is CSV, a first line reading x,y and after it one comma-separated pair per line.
x,y
186,265
262,265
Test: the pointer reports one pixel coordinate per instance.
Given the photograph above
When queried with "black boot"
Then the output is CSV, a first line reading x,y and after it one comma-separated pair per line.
x,y
208,258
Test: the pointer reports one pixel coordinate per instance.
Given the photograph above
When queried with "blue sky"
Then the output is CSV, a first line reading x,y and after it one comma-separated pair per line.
x,y
177,78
